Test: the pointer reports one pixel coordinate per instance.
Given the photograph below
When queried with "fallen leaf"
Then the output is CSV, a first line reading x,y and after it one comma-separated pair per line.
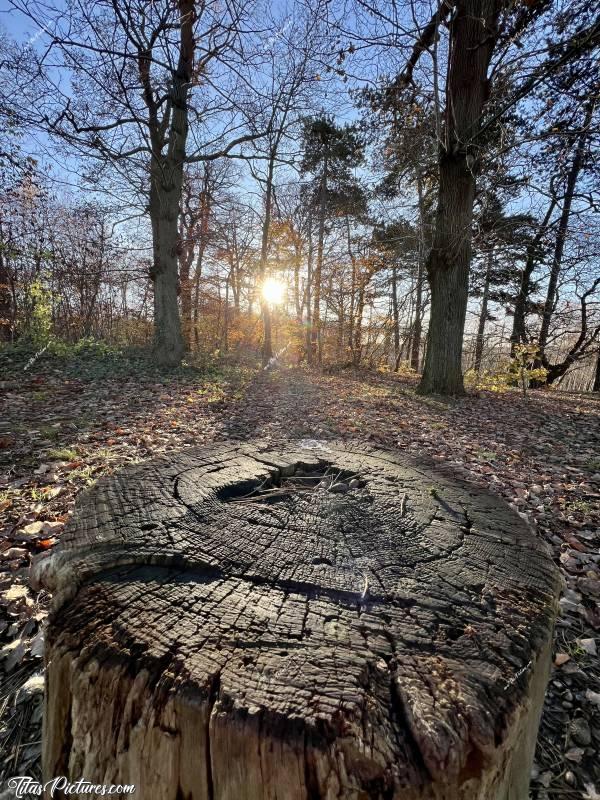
x,y
589,645
12,653
593,697
590,792
37,644
561,658
16,592
575,754
34,528
46,543
51,492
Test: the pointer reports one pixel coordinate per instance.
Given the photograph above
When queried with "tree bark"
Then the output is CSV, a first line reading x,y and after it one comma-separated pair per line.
x,y
222,630
309,283
473,32
596,386
267,346
315,339
395,317
415,351
358,328
166,177
187,239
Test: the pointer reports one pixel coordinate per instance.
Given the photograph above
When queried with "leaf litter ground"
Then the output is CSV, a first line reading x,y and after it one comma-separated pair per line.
x,y
62,428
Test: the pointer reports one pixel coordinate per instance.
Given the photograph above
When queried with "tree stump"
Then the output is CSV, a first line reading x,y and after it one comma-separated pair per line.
x,y
235,623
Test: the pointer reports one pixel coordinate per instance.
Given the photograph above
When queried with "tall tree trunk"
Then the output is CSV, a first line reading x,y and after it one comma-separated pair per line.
x,y
267,347
316,317
473,32
518,335
352,257
360,306
417,332
395,317
185,292
164,210
561,234
166,176
309,279
596,386
298,304
483,314
351,313
5,300
225,339
417,328
204,216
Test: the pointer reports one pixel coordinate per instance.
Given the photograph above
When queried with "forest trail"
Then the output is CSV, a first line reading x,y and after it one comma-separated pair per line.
x,y
63,429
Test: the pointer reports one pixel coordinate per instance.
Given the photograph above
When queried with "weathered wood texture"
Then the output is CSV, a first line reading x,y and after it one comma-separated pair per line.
x,y
389,642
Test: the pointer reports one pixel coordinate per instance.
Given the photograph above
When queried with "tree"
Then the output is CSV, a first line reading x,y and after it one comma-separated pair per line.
x,y
463,125
140,73
473,31
330,152
400,245
409,160
499,239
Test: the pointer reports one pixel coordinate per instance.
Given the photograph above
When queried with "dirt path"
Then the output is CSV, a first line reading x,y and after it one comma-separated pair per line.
x,y
62,429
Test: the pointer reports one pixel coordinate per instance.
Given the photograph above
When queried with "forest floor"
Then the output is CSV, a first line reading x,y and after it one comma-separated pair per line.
x,y
66,422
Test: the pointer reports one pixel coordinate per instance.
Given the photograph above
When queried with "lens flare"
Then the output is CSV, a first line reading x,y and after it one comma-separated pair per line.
x,y
273,291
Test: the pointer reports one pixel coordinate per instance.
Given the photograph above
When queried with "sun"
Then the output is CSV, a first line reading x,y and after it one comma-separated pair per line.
x,y
273,291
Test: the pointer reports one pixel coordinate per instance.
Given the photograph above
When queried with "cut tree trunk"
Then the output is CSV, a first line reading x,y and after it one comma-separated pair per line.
x,y
225,627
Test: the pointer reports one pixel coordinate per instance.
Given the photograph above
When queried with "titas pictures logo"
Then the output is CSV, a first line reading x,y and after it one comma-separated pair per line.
x,y
26,786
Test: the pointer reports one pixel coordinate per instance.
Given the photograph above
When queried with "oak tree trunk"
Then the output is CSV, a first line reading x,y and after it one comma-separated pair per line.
x,y
164,212
473,32
166,179
448,266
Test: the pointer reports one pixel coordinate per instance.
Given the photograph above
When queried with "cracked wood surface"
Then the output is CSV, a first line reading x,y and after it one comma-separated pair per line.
x,y
208,643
